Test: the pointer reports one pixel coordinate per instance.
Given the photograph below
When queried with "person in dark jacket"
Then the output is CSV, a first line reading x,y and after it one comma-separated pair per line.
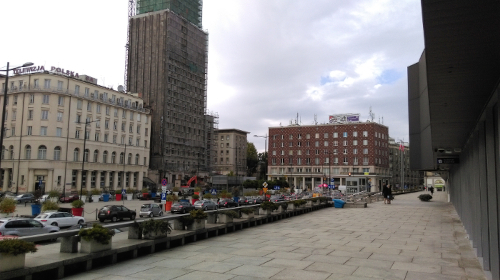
x,y
387,193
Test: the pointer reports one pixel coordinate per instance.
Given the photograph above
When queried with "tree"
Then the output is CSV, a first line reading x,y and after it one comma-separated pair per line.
x,y
263,165
252,159
231,174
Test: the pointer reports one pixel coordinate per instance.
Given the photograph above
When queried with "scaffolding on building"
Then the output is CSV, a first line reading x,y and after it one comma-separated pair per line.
x,y
188,9
211,128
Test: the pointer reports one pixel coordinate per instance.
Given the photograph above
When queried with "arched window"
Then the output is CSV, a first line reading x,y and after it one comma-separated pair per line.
x,y
113,157
27,152
96,155
42,152
57,153
122,158
86,155
11,152
137,159
105,157
76,154
129,160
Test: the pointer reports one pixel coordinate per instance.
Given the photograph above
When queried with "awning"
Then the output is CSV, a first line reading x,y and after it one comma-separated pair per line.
x,y
148,181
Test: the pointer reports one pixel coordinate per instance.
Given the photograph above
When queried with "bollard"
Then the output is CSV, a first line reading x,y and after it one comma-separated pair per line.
x,y
96,214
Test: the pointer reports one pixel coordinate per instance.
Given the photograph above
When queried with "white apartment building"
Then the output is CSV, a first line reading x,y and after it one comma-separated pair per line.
x,y
49,113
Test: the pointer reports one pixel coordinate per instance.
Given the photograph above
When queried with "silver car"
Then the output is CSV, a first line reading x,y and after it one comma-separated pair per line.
x,y
150,210
205,205
24,227
60,219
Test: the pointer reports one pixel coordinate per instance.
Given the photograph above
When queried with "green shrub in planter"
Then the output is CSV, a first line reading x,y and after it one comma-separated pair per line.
x,y
198,214
95,191
97,233
129,191
247,210
324,199
425,197
145,190
197,189
16,247
49,205
54,193
152,226
77,203
195,196
230,213
7,205
315,199
298,202
267,205
175,189
84,192
118,192
208,196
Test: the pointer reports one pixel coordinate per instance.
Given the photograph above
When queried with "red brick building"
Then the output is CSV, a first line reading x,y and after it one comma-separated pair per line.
x,y
354,154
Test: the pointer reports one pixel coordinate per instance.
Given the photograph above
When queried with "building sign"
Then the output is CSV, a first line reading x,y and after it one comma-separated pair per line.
x,y
344,118
448,160
57,70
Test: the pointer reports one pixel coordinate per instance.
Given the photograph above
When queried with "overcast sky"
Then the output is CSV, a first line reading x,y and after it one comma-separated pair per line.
x,y
268,59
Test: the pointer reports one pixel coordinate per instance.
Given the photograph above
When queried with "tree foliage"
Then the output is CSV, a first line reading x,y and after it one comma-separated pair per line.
x,y
252,159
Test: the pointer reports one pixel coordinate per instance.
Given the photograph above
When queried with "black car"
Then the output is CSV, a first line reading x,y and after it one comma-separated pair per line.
x,y
181,207
256,200
244,200
227,202
115,213
276,198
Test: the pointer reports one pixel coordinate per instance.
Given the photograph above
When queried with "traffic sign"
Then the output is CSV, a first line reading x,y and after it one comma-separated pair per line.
x,y
164,196
163,189
163,182
264,190
213,191
331,186
124,192
276,187
332,180
264,184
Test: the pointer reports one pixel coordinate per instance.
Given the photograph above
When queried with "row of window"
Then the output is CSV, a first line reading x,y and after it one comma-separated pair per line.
x,y
334,152
42,154
326,143
334,135
97,136
335,170
317,161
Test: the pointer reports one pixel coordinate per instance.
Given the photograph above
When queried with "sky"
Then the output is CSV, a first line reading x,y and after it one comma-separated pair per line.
x,y
269,60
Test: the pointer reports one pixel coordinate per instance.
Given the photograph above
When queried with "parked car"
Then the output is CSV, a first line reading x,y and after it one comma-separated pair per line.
x,y
257,199
150,210
7,194
205,205
59,219
27,197
43,198
24,227
244,200
227,202
276,198
181,207
115,213
145,197
68,198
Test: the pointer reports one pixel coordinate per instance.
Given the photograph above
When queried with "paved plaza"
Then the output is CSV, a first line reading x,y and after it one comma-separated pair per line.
x,y
408,239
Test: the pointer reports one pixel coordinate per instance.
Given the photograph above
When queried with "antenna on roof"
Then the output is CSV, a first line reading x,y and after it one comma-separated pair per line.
x,y
315,119
371,114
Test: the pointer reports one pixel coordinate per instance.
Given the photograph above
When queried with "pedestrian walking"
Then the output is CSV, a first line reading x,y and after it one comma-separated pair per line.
x,y
387,193
432,190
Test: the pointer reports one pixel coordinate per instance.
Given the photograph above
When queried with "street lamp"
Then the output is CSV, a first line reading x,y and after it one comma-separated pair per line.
x,y
265,153
87,122
124,159
5,101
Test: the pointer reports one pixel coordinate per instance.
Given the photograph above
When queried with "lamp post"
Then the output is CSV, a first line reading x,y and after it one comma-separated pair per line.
x,y
265,152
2,130
87,122
124,162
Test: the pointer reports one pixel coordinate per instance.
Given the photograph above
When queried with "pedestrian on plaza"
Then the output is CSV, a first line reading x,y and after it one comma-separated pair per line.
x,y
386,193
432,190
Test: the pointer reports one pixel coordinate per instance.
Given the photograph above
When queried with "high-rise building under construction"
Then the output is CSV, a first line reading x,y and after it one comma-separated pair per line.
x,y
167,64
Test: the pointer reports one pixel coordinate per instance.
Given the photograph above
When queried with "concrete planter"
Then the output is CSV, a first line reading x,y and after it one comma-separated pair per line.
x,y
154,235
224,219
93,246
95,198
130,196
281,209
247,216
309,203
291,207
264,212
134,233
84,198
196,225
11,262
54,199
176,225
256,211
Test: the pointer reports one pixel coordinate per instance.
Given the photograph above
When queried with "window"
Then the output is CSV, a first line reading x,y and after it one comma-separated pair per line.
x,y
365,151
113,157
77,134
89,106
57,153
131,128
355,134
107,110
116,112
365,162
13,131
37,83
335,143
274,153
106,124
105,157
365,142
45,114
334,151
131,116
354,142
76,154
308,136
77,89
79,104
96,136
316,143
365,133
43,131
124,114
123,126
14,115
115,125
355,151
325,143
98,108
27,152
336,160
325,135
345,160
30,130
146,131
32,98
45,99
137,159
59,85
42,152
345,142
59,116
114,139
46,83
59,132
60,101
138,117
96,155
345,151
122,158
86,155
316,161
106,138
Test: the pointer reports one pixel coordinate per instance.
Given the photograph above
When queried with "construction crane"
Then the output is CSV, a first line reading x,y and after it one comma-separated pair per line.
x,y
131,13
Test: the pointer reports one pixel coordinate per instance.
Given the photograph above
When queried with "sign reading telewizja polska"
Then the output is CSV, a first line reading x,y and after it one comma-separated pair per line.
x,y
58,70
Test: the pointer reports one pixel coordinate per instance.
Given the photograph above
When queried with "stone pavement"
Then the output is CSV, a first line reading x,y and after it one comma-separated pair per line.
x,y
408,239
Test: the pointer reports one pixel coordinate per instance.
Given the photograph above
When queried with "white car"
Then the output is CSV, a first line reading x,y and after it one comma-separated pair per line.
x,y
44,198
60,219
